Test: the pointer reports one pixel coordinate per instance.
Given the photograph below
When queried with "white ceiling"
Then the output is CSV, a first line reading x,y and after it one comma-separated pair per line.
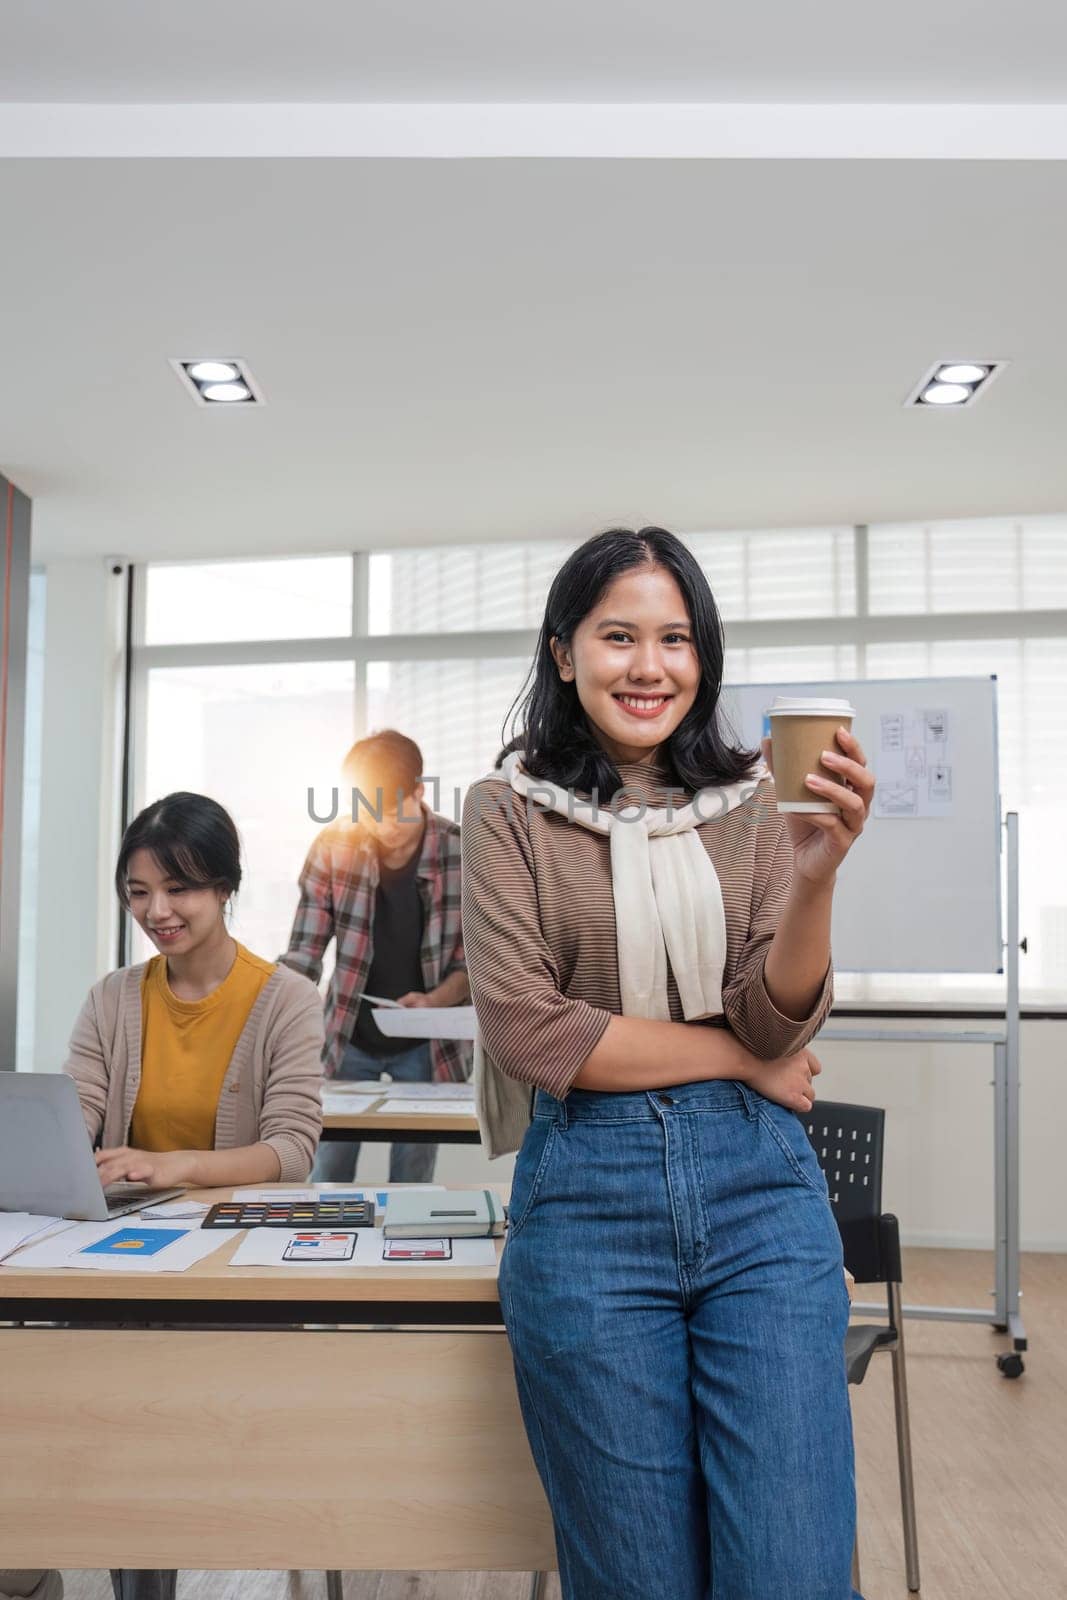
x,y
508,349
337,50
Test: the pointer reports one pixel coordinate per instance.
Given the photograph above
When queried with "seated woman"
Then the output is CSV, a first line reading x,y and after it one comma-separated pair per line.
x,y
201,1066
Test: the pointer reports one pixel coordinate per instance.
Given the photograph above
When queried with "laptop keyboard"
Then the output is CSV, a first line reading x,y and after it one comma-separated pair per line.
x,y
119,1197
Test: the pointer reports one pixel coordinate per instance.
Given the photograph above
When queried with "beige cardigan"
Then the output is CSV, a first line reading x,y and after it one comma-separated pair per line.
x,y
541,938
270,1094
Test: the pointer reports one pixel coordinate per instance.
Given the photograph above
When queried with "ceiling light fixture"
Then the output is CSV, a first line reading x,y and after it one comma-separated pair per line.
x,y
938,394
226,393
954,383
213,371
218,381
962,372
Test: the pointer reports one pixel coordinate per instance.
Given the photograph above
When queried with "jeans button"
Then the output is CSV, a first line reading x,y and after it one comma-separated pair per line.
x,y
665,1099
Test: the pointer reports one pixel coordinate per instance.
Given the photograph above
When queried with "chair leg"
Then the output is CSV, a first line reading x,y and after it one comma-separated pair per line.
x,y
538,1585
907,1479
335,1589
856,1562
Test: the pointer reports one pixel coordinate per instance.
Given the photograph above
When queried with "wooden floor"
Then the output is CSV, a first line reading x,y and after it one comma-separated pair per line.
x,y
990,1465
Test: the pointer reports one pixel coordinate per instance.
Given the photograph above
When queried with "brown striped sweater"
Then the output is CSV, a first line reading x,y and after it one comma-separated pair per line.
x,y
539,928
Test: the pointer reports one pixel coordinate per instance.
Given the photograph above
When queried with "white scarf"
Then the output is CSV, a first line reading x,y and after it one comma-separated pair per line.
x,y
668,900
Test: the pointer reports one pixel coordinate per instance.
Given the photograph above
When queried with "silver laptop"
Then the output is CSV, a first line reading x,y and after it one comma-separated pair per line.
x,y
46,1160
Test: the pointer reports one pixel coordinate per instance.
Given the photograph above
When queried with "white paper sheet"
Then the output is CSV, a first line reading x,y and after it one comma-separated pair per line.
x,y
175,1211
19,1227
424,1108
428,1091
265,1247
427,1022
465,1253
379,1195
281,1193
330,1191
354,1091
68,1249
348,1105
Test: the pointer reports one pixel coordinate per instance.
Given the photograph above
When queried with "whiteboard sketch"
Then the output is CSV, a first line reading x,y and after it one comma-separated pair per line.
x,y
913,764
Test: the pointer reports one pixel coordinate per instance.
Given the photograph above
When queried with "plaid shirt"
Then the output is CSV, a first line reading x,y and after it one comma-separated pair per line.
x,y
337,892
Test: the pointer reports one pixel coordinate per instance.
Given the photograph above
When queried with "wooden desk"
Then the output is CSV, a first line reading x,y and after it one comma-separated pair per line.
x,y
254,1429
415,1129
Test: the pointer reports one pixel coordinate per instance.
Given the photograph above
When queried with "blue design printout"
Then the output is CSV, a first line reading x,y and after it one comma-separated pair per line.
x,y
134,1242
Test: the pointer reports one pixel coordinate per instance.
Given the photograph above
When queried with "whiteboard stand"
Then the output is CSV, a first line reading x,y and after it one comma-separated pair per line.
x,y
1006,1118
1005,1316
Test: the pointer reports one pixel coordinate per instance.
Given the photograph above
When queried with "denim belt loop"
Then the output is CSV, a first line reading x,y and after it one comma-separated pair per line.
x,y
749,1101
561,1114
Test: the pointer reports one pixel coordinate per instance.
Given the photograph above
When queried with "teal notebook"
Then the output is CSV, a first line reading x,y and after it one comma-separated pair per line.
x,y
444,1214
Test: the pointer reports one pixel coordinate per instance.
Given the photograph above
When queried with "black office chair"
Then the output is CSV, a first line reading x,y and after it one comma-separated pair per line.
x,y
848,1141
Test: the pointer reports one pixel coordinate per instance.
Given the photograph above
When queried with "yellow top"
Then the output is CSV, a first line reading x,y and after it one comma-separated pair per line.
x,y
186,1046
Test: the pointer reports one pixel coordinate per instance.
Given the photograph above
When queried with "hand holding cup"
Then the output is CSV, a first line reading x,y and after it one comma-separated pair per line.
x,y
822,781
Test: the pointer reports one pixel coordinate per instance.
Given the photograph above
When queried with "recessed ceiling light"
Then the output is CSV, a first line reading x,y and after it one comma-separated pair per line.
x,y
961,372
938,394
213,371
226,392
954,383
218,381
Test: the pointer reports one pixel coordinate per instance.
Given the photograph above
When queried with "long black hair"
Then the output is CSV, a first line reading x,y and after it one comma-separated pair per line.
x,y
547,720
192,838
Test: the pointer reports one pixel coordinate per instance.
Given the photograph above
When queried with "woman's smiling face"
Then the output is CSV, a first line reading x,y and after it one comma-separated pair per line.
x,y
633,663
176,917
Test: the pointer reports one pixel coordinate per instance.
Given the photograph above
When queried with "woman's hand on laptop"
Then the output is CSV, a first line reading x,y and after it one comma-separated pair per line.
x,y
159,1169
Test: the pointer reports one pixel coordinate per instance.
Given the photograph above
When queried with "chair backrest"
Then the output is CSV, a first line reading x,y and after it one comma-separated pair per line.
x,y
848,1142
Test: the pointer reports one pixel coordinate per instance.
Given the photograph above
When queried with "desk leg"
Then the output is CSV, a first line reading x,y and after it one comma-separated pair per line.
x,y
335,1589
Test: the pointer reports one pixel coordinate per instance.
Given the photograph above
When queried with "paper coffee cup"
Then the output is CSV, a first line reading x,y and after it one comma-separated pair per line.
x,y
800,731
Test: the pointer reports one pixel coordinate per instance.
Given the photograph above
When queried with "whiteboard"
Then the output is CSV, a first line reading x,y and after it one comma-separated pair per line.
x,y
916,893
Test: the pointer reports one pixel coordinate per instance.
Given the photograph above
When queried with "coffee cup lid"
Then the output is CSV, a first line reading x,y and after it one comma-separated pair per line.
x,y
787,706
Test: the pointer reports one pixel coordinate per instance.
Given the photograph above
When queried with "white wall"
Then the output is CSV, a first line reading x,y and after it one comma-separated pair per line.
x,y
78,802
939,1164
939,1131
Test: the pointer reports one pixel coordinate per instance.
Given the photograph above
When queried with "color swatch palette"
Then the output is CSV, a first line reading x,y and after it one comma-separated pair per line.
x,y
300,1214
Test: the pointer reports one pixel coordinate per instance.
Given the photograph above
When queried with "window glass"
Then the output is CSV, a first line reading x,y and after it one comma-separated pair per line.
x,y
256,739
790,663
764,574
466,589
800,572
202,602
455,712
259,737
992,564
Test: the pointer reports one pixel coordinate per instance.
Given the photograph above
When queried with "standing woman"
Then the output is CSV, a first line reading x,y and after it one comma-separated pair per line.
x,y
648,980
200,1066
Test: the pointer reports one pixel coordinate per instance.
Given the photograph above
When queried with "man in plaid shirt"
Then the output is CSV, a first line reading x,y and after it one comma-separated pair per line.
x,y
386,888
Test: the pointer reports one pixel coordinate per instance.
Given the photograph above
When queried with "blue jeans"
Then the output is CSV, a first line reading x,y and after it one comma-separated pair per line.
x,y
408,1163
673,1291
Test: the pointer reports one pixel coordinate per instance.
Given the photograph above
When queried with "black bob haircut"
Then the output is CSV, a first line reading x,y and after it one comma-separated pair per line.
x,y
547,720
192,838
